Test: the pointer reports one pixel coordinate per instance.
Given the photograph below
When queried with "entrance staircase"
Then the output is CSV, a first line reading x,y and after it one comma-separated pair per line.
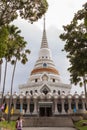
x,y
61,121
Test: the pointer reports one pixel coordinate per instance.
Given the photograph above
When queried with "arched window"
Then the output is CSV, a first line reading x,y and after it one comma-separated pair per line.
x,y
36,80
35,91
31,92
59,92
53,80
54,91
26,92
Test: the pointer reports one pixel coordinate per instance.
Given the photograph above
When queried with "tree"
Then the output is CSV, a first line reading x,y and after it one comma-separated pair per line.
x,y
14,44
15,48
16,51
20,54
30,10
75,36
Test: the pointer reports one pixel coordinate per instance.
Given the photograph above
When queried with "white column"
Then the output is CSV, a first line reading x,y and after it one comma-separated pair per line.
x,y
63,110
70,109
21,106
76,105
55,108
83,105
28,106
35,107
14,104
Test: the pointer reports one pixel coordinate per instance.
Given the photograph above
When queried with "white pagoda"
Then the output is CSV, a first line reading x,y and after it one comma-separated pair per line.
x,y
45,77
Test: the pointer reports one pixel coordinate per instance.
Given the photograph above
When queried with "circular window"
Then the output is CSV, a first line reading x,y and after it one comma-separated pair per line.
x,y
44,65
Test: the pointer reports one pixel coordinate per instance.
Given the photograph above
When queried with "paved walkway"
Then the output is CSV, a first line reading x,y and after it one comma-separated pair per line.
x,y
48,128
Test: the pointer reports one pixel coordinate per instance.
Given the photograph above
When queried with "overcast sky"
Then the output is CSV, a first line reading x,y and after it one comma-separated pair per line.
x,y
60,12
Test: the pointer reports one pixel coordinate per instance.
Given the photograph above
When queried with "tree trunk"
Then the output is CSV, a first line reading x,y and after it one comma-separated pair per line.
x,y
0,72
13,75
10,100
4,80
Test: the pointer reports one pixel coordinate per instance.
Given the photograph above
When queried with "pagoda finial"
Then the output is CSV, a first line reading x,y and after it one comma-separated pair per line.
x,y
44,43
44,22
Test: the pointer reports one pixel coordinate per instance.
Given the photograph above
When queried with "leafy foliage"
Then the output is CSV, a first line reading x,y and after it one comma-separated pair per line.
x,y
12,43
27,9
79,125
75,36
8,126
3,39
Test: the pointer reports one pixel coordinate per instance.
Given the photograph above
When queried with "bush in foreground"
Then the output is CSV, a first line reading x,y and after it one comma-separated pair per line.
x,y
80,125
8,126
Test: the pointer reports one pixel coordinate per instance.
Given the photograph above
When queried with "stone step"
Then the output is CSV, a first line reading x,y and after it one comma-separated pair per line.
x,y
48,122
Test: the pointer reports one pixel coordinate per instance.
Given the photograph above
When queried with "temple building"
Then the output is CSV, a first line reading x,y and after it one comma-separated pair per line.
x,y
44,94
47,95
